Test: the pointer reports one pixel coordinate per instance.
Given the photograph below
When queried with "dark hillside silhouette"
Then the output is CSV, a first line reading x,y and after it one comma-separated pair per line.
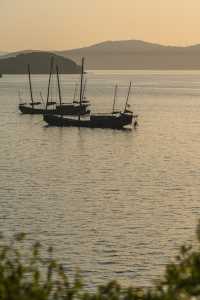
x,y
39,62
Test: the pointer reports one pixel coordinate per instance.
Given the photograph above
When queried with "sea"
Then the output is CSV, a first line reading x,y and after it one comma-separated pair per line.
x,y
114,204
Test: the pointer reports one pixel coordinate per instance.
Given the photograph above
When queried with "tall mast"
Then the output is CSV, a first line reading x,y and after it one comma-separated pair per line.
x,y
50,74
129,90
30,85
81,85
59,90
115,96
84,89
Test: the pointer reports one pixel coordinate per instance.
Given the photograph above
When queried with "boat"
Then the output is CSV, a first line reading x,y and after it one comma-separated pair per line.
x,y
114,120
94,121
74,108
33,107
36,107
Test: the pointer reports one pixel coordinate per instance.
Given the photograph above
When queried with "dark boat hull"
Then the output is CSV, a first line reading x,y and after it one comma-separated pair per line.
x,y
111,121
70,109
65,110
31,110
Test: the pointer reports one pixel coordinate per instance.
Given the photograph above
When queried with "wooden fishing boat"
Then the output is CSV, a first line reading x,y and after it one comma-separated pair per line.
x,y
37,107
74,107
114,120
33,107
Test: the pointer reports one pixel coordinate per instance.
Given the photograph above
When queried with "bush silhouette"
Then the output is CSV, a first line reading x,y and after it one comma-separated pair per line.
x,y
25,275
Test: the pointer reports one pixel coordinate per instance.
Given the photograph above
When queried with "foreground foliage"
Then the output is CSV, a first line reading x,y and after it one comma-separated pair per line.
x,y
27,276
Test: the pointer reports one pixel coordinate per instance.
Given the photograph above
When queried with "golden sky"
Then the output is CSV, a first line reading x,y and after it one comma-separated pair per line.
x,y
65,24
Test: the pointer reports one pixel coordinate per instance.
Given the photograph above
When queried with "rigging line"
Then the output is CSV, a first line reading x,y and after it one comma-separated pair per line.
x,y
115,97
75,92
19,96
42,99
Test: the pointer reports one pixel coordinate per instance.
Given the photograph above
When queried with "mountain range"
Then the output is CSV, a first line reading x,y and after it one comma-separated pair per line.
x,y
132,54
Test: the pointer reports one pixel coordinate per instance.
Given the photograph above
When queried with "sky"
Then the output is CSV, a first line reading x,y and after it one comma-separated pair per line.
x,y
67,24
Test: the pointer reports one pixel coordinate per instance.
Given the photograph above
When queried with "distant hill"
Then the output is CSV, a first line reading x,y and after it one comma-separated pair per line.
x,y
39,62
2,53
16,53
135,54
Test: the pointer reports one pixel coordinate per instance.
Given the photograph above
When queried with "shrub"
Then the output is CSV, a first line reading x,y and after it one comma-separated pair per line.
x,y
27,276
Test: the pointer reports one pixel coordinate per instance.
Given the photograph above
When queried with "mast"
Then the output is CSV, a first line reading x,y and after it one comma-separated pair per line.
x,y
129,90
50,74
30,85
115,96
59,90
81,85
84,89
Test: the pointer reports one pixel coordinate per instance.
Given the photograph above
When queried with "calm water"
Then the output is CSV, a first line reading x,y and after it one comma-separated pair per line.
x,y
116,204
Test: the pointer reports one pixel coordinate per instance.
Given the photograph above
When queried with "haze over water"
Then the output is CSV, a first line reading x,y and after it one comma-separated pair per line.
x,y
116,204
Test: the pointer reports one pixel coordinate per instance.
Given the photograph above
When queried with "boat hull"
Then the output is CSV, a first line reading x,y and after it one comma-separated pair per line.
x,y
64,110
25,109
113,122
70,109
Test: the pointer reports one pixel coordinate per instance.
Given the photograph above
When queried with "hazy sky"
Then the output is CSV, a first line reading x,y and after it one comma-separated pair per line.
x,y
64,24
